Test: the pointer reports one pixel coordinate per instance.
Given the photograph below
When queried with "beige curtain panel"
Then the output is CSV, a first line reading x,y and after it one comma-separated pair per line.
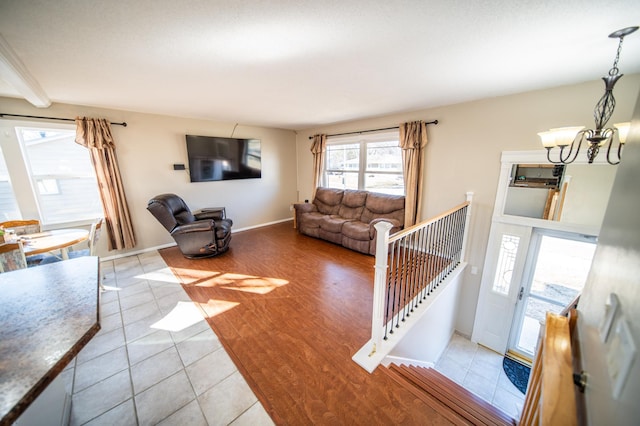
x,y
413,139
318,148
95,135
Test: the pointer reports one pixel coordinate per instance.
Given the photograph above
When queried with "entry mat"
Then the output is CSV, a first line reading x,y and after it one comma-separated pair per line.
x,y
516,372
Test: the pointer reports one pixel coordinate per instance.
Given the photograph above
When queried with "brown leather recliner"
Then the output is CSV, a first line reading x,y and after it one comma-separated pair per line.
x,y
203,235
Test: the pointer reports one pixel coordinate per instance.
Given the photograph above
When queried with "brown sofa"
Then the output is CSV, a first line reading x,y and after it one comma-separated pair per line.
x,y
347,217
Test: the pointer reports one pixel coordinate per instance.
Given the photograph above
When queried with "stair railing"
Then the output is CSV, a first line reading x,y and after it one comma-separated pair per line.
x,y
411,264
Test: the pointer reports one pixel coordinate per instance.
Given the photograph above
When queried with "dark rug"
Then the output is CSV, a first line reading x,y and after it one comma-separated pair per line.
x,y
516,372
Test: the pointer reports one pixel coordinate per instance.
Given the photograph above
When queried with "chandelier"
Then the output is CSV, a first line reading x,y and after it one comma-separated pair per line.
x,y
570,139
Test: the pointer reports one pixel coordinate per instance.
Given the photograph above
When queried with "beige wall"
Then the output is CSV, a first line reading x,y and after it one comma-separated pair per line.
x,y
149,146
615,270
464,151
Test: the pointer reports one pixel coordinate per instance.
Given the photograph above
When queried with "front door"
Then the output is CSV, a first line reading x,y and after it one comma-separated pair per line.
x,y
501,281
555,273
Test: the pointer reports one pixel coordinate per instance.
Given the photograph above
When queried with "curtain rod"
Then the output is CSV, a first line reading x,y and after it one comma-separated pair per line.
x,y
372,130
2,115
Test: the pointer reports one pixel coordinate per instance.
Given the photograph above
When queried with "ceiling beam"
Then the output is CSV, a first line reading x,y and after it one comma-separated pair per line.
x,y
14,72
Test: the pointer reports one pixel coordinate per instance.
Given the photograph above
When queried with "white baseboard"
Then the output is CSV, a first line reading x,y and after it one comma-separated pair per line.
x,y
173,244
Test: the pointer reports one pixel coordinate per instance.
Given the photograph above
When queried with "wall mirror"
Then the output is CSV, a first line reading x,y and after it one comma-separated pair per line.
x,y
575,194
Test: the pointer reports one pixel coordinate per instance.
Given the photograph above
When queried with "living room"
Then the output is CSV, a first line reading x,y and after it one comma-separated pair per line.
x,y
468,128
463,154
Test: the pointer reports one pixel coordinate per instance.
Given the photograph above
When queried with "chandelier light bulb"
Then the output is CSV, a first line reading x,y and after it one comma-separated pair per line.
x,y
623,131
548,139
565,135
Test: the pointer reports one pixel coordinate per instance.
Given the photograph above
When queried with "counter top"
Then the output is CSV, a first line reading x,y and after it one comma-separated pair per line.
x,y
48,314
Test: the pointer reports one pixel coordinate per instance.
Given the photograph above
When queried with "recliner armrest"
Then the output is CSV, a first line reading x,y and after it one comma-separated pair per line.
x,y
197,226
203,215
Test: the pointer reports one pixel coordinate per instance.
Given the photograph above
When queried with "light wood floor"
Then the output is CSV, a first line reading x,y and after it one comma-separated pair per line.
x,y
291,311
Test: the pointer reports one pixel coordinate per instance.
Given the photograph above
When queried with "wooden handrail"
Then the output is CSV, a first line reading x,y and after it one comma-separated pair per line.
x,y
551,398
409,230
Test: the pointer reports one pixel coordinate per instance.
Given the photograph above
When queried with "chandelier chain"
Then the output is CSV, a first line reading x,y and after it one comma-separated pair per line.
x,y
614,69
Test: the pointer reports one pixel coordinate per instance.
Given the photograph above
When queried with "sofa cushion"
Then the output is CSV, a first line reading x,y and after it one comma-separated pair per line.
x,y
357,245
333,237
356,230
384,206
352,204
312,219
328,200
333,223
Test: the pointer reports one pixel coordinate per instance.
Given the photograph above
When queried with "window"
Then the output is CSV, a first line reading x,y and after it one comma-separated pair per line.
x,y
8,206
372,162
62,177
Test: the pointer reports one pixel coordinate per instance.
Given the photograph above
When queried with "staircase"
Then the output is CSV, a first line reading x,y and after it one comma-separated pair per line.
x,y
447,397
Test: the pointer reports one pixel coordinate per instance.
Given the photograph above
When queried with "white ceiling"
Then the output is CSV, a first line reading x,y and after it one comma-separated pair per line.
x,y
298,63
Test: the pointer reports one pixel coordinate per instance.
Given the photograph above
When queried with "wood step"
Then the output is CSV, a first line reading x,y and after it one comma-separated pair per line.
x,y
464,403
426,397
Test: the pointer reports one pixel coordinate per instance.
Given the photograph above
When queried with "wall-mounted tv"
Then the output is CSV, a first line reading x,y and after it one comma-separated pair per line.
x,y
214,158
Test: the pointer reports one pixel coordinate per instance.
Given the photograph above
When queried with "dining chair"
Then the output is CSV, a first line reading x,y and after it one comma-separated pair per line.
x,y
21,227
94,235
12,257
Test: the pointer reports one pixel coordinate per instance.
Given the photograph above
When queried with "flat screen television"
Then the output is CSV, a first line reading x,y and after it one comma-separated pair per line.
x,y
213,158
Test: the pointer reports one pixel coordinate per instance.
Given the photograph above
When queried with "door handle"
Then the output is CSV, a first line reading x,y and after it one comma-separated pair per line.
x,y
521,293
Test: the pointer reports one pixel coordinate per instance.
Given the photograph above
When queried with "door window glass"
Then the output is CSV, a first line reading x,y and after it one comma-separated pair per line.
x,y
506,263
561,266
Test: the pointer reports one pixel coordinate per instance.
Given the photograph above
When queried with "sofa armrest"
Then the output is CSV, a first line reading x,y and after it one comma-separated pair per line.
x,y
372,230
305,207
300,209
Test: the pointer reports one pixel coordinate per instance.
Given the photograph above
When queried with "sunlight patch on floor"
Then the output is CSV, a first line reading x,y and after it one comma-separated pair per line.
x,y
216,307
192,276
246,283
183,315
164,275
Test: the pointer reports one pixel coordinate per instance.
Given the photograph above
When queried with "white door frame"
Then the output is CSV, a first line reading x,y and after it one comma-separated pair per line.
x,y
527,278
488,322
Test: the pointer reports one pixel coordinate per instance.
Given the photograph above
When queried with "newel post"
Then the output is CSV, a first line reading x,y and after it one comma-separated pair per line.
x,y
467,221
380,282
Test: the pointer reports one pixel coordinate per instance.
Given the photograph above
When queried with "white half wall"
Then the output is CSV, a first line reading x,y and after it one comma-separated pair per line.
x,y
429,337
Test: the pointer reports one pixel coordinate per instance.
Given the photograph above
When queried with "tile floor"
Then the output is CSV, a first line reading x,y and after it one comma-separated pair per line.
x,y
480,371
156,360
